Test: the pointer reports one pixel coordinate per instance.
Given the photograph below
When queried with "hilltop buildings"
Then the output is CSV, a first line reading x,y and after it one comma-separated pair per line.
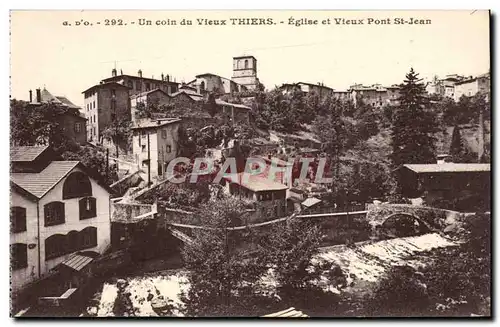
x,y
455,86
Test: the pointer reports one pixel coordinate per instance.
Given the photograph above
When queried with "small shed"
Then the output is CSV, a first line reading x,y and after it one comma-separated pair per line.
x,y
288,313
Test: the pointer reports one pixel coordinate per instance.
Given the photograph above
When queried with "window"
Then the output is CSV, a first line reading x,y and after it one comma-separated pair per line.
x,y
77,185
202,86
174,88
143,148
88,237
94,118
59,244
246,63
54,213
130,84
113,93
164,134
138,86
87,208
55,246
168,149
147,86
94,104
160,169
78,127
18,256
144,163
18,219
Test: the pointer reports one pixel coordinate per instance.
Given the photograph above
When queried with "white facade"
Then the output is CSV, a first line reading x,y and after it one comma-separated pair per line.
x,y
36,233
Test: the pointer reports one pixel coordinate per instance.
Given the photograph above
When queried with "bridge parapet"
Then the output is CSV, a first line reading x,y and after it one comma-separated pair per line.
x,y
435,218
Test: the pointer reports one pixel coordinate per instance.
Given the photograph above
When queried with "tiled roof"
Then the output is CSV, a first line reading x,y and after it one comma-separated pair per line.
x,y
48,97
66,101
148,92
77,262
309,202
106,85
40,183
288,313
156,123
448,168
224,103
26,153
255,183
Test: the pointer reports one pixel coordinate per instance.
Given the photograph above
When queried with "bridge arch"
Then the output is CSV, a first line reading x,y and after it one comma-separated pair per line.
x,y
405,224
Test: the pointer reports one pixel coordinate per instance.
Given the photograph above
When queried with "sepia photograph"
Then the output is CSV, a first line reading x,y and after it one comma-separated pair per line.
x,y
270,164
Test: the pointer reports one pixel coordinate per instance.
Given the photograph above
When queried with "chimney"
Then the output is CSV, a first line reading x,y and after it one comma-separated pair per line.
x,y
113,72
168,78
162,77
31,96
139,73
38,95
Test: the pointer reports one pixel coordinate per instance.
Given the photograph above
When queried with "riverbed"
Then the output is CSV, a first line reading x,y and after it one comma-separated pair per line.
x,y
363,262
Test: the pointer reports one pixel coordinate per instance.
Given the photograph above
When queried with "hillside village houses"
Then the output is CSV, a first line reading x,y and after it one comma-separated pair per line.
x,y
73,121
155,144
455,86
59,216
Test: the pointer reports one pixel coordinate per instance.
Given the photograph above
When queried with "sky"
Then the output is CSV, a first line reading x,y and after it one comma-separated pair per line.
x,y
69,59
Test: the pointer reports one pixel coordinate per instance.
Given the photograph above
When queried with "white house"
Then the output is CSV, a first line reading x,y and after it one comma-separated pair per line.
x,y
57,210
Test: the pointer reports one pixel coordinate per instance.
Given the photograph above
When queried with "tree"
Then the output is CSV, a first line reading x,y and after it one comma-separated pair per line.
x,y
211,105
119,132
458,150
94,158
216,259
413,125
39,124
290,248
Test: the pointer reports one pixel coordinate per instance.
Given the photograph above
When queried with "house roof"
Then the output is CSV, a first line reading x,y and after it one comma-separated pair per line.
x,y
309,202
77,262
224,103
105,85
149,92
156,123
137,77
192,95
65,100
305,83
288,313
255,183
26,153
38,184
447,168
241,57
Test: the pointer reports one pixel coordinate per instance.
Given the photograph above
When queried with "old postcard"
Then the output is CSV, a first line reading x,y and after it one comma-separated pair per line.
x,y
272,164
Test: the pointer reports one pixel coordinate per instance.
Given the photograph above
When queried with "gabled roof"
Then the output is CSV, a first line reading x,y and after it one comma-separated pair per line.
x,y
137,77
224,103
149,92
156,124
38,184
66,101
26,153
448,168
106,85
46,96
255,183
309,202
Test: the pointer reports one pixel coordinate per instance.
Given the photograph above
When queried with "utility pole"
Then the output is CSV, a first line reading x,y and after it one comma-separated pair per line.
x,y
149,162
107,165
480,150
